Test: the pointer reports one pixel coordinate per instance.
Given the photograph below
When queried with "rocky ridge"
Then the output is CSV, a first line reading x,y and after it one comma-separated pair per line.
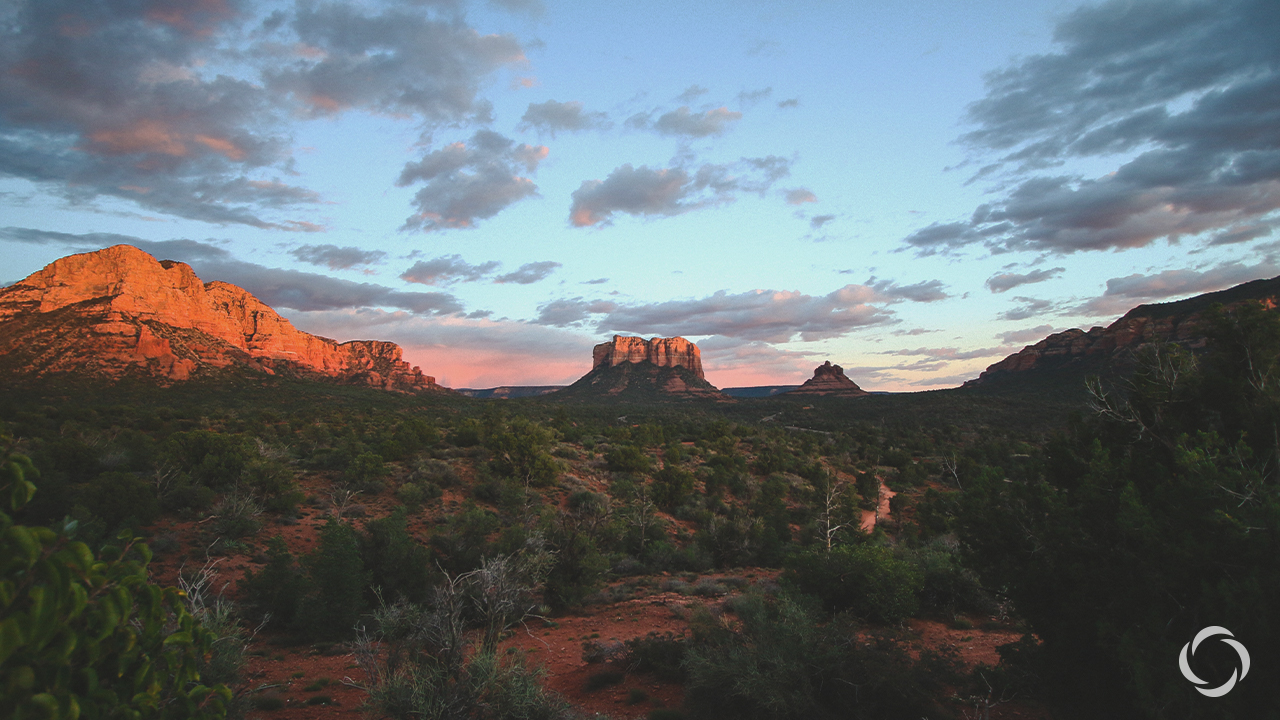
x,y
829,379
1099,348
119,311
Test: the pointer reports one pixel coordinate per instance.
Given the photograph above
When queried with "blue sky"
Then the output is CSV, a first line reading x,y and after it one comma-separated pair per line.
x,y
912,190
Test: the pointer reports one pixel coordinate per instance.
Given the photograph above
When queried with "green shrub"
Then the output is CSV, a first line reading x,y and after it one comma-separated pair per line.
x,y
782,664
120,499
659,653
672,486
275,591
338,580
396,562
365,473
865,579
135,646
235,517
627,458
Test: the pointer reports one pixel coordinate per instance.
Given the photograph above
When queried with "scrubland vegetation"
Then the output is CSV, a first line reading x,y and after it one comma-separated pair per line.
x,y
1109,539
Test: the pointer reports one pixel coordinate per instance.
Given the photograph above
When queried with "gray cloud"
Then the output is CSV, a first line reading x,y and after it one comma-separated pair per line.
x,y
748,98
446,270
1003,282
1034,334
566,312
399,61
1030,307
1123,293
800,196
691,93
182,108
947,354
927,291
789,103
681,122
336,258
817,221
552,117
468,182
104,99
764,315
1192,87
529,273
671,191
276,287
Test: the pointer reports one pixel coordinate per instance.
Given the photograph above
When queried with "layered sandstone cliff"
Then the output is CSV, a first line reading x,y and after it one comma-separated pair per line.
x,y
638,368
663,352
829,379
120,311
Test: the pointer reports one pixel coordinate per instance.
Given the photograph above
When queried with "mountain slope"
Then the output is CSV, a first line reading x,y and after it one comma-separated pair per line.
x,y
119,311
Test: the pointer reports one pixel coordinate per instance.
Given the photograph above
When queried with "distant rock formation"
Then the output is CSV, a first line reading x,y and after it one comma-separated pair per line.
x,y
119,311
1103,349
639,368
829,379
663,352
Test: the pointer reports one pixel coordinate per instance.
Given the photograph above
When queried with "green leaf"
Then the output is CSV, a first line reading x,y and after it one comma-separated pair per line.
x,y
11,638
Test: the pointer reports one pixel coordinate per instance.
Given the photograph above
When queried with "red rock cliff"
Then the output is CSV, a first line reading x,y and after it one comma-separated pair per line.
x,y
120,310
663,352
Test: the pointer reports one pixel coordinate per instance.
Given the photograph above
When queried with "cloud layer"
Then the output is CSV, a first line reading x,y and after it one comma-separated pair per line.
x,y
660,192
1189,92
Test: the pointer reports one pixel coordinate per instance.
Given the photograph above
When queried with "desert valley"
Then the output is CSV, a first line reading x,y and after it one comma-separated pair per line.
x,y
350,538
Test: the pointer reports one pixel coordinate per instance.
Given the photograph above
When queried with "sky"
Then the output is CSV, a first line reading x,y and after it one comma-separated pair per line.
x,y
912,190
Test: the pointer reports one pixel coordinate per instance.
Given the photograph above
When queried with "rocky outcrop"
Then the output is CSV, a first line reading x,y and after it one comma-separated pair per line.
x,y
663,352
120,311
829,379
636,369
1113,347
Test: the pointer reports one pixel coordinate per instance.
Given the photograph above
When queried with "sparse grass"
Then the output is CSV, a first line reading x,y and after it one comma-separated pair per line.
x,y
635,696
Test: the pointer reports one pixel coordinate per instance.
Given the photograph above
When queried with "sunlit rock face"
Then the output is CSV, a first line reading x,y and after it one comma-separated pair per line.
x,y
635,368
120,311
663,352
829,379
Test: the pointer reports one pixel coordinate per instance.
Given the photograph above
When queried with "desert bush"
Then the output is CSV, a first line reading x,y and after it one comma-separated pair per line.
x,y
397,564
337,583
120,499
867,580
659,653
436,472
423,665
520,450
273,593
462,541
236,516
627,458
672,486
783,664
365,473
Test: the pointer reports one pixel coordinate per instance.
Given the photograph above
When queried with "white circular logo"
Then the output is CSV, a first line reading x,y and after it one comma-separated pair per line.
x,y
1225,687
